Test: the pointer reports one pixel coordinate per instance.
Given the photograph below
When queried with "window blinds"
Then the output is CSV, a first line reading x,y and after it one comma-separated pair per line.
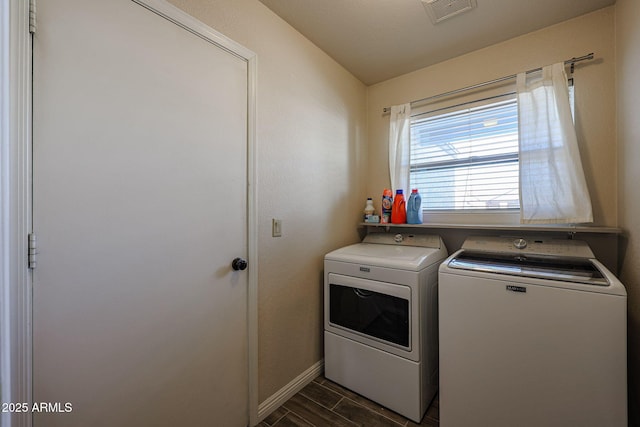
x,y
467,158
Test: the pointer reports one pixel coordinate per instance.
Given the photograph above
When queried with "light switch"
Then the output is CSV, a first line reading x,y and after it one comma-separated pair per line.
x,y
276,227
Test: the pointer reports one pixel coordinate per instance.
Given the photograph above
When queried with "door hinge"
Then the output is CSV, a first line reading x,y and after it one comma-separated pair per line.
x,y
32,16
32,251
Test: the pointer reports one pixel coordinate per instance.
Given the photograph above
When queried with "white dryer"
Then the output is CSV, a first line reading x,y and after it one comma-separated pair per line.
x,y
532,333
380,324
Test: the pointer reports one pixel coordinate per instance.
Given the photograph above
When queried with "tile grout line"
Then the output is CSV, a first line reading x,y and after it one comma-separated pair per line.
x,y
323,384
325,407
304,419
337,403
340,395
283,415
377,413
318,403
289,411
405,424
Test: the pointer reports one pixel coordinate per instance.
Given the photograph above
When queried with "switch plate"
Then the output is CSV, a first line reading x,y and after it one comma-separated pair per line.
x,y
276,227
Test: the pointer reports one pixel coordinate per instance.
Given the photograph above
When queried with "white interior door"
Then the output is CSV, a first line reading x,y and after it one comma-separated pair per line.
x,y
140,202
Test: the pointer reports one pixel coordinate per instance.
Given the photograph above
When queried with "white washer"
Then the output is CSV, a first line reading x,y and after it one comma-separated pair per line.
x,y
381,330
532,333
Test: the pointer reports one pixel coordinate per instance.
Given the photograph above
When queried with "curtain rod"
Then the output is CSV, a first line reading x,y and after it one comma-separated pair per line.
x,y
479,85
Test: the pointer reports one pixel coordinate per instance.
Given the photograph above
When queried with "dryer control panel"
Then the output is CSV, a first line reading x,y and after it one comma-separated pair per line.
x,y
408,239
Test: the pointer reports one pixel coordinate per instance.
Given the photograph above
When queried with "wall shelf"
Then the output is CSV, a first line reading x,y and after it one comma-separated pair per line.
x,y
565,228
605,242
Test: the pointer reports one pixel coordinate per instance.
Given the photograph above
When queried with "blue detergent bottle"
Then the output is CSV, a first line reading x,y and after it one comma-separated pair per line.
x,y
414,211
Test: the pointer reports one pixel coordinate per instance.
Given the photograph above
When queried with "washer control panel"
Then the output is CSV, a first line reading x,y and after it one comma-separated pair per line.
x,y
529,246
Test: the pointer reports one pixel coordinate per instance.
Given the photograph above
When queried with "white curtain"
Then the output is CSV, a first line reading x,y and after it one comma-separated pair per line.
x,y
399,147
553,189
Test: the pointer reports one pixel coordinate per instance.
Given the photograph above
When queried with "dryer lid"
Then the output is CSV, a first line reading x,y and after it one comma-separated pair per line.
x,y
402,257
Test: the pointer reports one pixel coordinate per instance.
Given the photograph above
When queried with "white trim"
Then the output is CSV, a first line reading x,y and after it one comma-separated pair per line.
x,y
285,393
15,208
252,224
191,24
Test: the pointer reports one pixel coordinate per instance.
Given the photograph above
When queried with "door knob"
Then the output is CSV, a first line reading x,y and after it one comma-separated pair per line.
x,y
239,264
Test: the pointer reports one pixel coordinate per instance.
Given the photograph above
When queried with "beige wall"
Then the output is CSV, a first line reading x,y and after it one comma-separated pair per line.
x,y
310,138
628,109
594,85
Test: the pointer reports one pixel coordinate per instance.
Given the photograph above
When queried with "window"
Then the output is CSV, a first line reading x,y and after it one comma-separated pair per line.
x,y
465,158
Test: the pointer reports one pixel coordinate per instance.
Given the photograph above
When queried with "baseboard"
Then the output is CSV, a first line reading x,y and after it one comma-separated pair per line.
x,y
276,400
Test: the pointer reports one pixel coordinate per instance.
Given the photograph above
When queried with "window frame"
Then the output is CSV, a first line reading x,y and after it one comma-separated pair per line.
x,y
496,216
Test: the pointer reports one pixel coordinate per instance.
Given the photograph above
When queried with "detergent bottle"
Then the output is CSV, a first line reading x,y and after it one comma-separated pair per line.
x,y
369,210
385,212
399,210
414,212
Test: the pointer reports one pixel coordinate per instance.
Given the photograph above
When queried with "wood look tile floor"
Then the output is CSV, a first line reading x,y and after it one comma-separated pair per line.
x,y
324,403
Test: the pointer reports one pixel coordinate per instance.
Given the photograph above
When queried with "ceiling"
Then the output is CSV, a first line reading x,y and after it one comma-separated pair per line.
x,y
380,39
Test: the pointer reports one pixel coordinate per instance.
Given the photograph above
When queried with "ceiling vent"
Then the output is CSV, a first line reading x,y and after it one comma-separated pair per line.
x,y
440,10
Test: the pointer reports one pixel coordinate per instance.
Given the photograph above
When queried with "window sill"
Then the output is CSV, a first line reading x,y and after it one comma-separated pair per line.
x,y
512,227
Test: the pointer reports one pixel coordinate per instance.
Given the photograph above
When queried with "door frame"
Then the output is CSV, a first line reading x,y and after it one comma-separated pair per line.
x,y
15,208
16,198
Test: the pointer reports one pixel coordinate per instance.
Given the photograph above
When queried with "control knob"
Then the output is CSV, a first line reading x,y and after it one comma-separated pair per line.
x,y
520,243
